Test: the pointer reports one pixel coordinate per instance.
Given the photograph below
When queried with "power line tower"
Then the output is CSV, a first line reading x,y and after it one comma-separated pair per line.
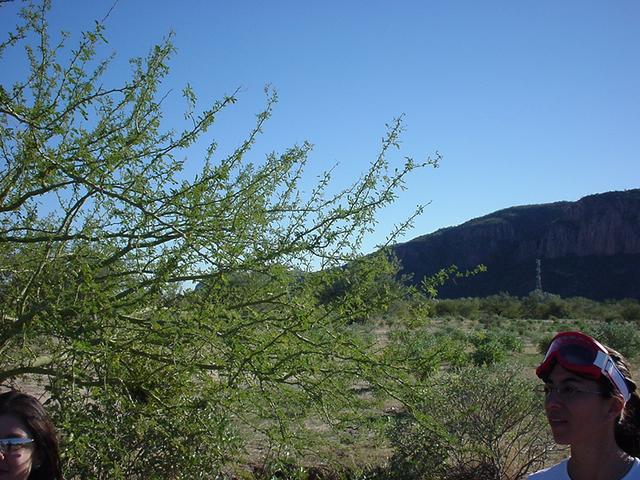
x,y
538,276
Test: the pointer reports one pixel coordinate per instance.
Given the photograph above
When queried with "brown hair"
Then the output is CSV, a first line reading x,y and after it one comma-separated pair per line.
x,y
32,414
627,428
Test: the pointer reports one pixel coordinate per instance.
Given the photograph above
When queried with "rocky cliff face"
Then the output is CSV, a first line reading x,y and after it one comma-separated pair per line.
x,y
588,248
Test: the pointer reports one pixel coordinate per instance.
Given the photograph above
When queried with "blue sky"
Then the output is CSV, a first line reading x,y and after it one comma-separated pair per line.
x,y
528,102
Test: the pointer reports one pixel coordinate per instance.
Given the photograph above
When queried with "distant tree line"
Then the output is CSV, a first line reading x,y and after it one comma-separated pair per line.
x,y
540,306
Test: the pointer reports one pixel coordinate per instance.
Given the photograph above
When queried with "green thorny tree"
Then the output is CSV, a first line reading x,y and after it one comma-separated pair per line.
x,y
98,232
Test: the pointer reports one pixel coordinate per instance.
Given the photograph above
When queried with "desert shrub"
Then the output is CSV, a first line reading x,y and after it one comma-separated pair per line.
x,y
411,310
530,306
463,307
556,308
622,336
630,310
610,311
493,346
544,342
420,450
445,308
477,422
453,332
491,321
424,352
488,353
510,340
468,307
581,307
546,307
503,305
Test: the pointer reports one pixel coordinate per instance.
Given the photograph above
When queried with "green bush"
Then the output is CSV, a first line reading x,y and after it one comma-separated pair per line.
x,y
492,346
630,310
489,353
469,308
445,308
477,422
556,308
424,352
544,342
463,307
502,305
621,336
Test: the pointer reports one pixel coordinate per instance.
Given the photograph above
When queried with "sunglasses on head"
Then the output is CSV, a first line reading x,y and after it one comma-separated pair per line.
x,y
581,354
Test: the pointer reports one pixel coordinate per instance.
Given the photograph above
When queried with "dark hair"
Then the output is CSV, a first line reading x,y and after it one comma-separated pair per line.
x,y
32,414
627,428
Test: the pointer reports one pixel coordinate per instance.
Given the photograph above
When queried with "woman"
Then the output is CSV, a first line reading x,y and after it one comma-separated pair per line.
x,y
592,405
28,440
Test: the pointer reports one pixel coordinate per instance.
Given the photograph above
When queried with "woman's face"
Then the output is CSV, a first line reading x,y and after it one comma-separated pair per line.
x,y
17,464
577,414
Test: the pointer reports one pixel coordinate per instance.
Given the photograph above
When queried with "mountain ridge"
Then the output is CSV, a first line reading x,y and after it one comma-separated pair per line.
x,y
590,247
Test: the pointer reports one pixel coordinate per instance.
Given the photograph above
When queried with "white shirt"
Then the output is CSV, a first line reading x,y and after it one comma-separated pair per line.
x,y
559,472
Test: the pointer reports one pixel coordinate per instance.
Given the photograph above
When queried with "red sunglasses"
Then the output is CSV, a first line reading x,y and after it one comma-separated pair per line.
x,y
579,353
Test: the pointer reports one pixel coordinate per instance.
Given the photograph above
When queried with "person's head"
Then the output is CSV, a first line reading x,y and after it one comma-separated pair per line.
x,y
589,393
28,440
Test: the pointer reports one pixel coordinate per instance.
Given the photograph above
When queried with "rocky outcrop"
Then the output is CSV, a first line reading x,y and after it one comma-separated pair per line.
x,y
587,248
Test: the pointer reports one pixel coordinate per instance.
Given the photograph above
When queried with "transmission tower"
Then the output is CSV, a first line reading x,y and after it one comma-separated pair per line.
x,y
538,276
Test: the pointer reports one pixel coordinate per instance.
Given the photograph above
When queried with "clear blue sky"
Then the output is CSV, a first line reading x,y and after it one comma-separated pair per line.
x,y
528,101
